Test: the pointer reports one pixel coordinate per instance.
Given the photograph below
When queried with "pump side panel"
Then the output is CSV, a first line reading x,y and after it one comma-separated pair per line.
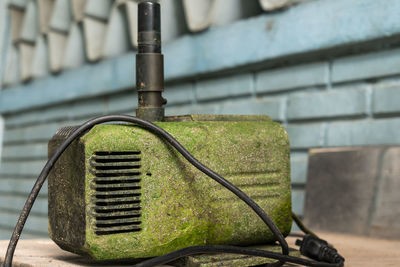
x,y
66,197
179,205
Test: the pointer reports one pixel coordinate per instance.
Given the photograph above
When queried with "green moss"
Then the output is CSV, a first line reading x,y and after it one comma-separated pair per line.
x,y
180,205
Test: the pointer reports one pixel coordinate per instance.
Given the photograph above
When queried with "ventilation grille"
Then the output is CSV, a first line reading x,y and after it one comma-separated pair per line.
x,y
117,191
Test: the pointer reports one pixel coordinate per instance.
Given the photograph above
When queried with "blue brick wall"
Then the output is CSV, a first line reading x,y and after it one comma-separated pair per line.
x,y
317,111
351,100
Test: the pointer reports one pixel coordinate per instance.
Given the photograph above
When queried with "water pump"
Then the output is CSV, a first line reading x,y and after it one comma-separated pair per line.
x,y
120,191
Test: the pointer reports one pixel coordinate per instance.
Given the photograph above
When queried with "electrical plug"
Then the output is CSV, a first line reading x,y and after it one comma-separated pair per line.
x,y
318,249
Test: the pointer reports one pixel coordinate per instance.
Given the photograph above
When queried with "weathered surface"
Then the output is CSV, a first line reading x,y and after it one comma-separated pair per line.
x,y
177,206
354,190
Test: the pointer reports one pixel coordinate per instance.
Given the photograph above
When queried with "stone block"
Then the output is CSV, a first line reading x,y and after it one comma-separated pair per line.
x,y
327,104
366,66
364,132
224,87
354,190
306,135
255,106
386,100
308,75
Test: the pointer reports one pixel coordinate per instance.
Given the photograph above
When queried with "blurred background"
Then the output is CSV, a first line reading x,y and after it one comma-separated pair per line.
x,y
329,71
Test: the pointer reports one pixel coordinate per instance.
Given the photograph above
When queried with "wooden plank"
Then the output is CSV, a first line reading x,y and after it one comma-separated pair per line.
x,y
358,252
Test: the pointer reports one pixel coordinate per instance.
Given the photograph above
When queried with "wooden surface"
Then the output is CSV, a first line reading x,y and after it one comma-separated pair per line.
x,y
358,252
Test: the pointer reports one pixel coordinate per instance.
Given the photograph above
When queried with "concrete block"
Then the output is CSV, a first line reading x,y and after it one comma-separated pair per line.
x,y
308,75
298,167
354,190
255,106
327,104
364,132
386,215
306,135
224,87
179,93
386,100
366,66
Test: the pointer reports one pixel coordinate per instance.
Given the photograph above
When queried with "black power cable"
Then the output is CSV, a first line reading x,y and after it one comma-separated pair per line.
x,y
284,257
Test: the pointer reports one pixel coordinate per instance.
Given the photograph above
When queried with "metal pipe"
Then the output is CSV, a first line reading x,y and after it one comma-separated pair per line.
x,y
150,63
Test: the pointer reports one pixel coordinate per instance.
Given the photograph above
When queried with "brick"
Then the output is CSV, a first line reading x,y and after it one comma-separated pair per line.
x,y
255,106
306,135
24,151
386,100
20,186
224,87
206,109
179,93
298,201
1,134
327,104
298,167
203,108
308,75
35,223
179,110
366,66
364,132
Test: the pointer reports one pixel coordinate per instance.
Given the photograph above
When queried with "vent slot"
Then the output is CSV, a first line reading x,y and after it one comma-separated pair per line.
x,y
116,202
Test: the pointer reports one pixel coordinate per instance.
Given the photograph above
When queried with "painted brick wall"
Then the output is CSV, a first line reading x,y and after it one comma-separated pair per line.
x,y
348,101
